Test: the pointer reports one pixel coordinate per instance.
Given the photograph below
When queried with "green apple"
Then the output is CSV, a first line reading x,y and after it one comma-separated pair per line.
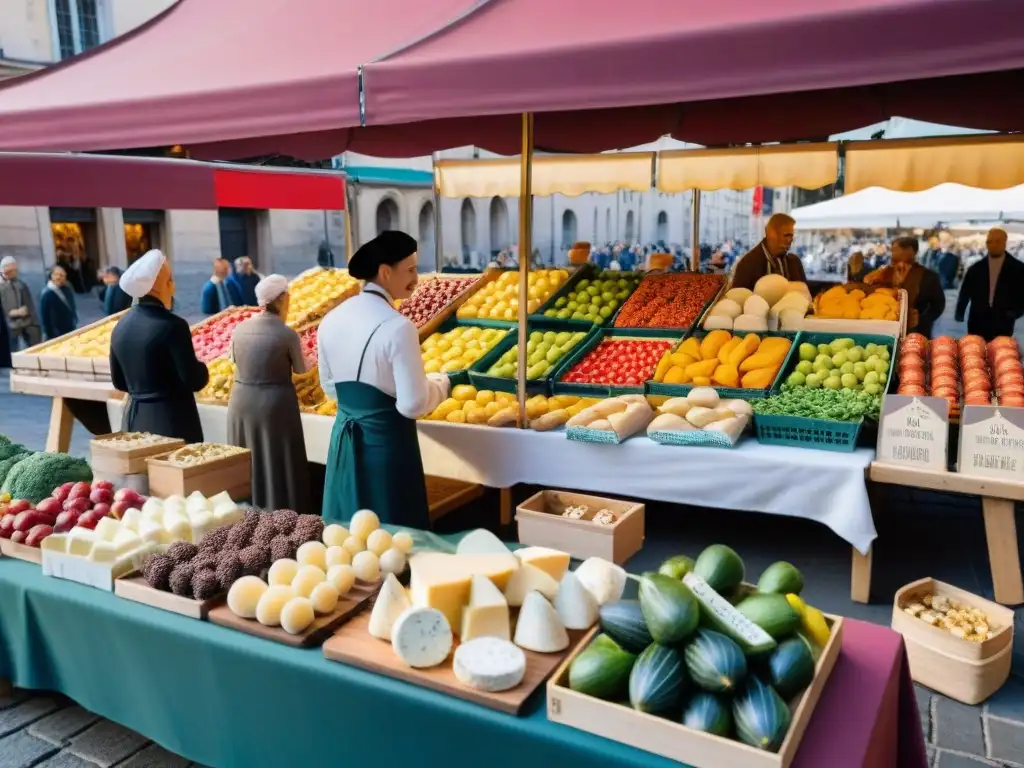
x,y
813,381
833,382
805,367
808,351
838,358
796,379
849,381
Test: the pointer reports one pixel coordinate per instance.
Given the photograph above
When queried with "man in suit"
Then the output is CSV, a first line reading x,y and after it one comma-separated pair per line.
x,y
219,293
771,256
994,289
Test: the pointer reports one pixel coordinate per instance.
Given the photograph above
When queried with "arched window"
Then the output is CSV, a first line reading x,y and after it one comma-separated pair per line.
x,y
426,237
630,227
468,219
661,232
568,229
387,215
499,225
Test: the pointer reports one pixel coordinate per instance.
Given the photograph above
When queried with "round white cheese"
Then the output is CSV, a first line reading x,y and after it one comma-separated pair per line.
x,y
422,637
489,664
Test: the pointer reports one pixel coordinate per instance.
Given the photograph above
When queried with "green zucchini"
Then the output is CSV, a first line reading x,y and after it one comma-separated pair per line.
x,y
715,662
623,621
669,607
676,567
791,667
708,713
781,578
720,567
760,715
602,669
717,614
772,613
657,680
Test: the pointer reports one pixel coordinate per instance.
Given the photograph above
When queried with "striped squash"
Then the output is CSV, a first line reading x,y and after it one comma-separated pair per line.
x,y
623,621
657,680
715,662
708,713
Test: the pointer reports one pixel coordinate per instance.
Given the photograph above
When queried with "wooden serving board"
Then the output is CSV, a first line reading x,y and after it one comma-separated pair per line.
x,y
134,587
353,644
21,551
350,605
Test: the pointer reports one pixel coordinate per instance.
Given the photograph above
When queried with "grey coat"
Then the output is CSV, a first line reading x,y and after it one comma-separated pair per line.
x,y
14,294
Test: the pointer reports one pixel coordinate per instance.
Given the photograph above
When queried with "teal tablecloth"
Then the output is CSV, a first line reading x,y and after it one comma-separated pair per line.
x,y
226,699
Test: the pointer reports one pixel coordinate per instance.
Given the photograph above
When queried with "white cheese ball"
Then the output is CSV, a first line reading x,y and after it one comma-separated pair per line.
x,y
337,556
306,579
334,535
342,578
366,566
403,541
244,596
296,615
324,598
312,553
282,572
268,609
354,545
393,561
363,523
378,542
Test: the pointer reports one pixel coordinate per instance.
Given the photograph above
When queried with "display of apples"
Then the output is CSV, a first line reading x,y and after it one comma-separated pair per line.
x,y
842,364
595,300
222,378
544,350
432,295
93,342
82,504
307,339
458,348
316,292
212,338
499,300
619,362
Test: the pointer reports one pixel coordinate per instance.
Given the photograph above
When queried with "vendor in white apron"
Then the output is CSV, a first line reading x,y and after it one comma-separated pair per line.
x,y
369,355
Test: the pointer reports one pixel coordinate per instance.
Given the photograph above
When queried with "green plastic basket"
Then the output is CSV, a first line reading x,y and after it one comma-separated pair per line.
x,y
560,387
588,435
479,377
692,437
801,432
588,271
817,337
726,393
462,377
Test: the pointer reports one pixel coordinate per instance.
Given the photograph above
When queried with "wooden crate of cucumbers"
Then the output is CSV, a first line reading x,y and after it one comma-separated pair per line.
x,y
759,667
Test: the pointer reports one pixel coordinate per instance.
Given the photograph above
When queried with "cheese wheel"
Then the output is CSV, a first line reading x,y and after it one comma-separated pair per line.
x,y
489,664
282,572
422,637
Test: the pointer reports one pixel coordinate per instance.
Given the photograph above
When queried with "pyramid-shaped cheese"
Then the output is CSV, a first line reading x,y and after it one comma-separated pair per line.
x,y
487,612
576,607
443,581
529,579
553,562
391,603
539,628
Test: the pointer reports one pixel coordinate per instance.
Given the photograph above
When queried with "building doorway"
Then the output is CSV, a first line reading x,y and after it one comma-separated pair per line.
x,y
661,232
76,245
234,233
387,215
568,229
427,254
499,226
467,218
143,231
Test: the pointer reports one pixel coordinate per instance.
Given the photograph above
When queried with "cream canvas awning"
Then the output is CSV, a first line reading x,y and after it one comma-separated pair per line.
x,y
799,165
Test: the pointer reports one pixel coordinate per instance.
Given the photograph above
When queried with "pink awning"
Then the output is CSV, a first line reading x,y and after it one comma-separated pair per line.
x,y
217,71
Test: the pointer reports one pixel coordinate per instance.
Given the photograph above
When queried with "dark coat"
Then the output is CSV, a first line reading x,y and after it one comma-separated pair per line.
x,y
926,295
753,265
57,317
115,300
245,287
210,303
996,320
152,359
5,345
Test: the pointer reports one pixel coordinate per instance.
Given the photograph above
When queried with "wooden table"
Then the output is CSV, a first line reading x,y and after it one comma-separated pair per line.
x,y
58,438
997,508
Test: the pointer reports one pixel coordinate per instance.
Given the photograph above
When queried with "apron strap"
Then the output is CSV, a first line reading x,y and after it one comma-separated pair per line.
x,y
362,356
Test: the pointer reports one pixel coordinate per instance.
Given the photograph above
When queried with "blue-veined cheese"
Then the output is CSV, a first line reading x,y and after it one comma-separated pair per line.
x,y
422,637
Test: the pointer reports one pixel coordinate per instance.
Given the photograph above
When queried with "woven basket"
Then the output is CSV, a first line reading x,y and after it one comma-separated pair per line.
x,y
588,435
698,437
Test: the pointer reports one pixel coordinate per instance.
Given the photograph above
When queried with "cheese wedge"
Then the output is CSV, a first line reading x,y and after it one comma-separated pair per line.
x,y
481,542
125,540
605,581
527,579
391,603
539,628
55,542
487,612
576,607
442,581
131,518
553,562
107,528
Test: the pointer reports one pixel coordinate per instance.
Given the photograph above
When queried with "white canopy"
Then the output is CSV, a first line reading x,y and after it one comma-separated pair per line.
x,y
877,208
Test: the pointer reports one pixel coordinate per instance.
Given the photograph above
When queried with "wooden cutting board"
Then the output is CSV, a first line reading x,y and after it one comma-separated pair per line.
x,y
353,644
321,628
134,587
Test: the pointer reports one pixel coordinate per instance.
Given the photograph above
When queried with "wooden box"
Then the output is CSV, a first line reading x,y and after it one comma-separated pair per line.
x,y
540,523
965,671
108,457
672,739
21,551
230,473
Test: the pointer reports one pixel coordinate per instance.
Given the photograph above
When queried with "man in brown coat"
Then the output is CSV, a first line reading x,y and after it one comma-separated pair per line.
x,y
771,256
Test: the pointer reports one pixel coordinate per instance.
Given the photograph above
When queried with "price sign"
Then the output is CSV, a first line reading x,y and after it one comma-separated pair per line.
x,y
913,432
992,442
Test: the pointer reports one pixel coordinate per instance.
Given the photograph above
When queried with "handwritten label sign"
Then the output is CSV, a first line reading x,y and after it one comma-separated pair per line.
x,y
992,442
914,432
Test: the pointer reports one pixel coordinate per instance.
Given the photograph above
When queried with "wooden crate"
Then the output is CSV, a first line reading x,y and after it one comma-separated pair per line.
x,y
109,458
230,473
540,523
965,671
674,740
37,358
452,306
21,551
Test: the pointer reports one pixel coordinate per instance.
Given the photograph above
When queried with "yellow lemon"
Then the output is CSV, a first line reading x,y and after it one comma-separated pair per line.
x,y
456,417
464,392
484,397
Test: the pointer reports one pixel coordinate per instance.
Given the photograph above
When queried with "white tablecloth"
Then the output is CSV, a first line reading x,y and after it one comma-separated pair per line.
x,y
817,485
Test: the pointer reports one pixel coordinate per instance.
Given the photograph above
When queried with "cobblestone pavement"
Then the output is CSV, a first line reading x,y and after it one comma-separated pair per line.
x,y
932,535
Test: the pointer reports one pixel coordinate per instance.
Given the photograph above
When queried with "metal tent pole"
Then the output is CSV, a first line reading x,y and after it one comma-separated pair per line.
x,y
695,231
438,252
525,250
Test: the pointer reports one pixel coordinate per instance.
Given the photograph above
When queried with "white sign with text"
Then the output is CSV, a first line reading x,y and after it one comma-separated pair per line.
x,y
914,432
992,442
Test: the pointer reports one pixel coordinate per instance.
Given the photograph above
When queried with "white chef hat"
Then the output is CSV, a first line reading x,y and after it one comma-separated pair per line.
x,y
269,288
137,281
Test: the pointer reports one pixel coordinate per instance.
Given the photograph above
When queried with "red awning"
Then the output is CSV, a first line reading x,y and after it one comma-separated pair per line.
x,y
98,181
216,70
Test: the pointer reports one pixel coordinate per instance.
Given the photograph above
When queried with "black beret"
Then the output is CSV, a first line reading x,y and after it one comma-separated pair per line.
x,y
389,247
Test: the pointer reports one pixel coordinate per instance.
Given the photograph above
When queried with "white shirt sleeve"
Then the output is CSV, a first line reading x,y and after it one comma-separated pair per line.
x,y
416,395
326,383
